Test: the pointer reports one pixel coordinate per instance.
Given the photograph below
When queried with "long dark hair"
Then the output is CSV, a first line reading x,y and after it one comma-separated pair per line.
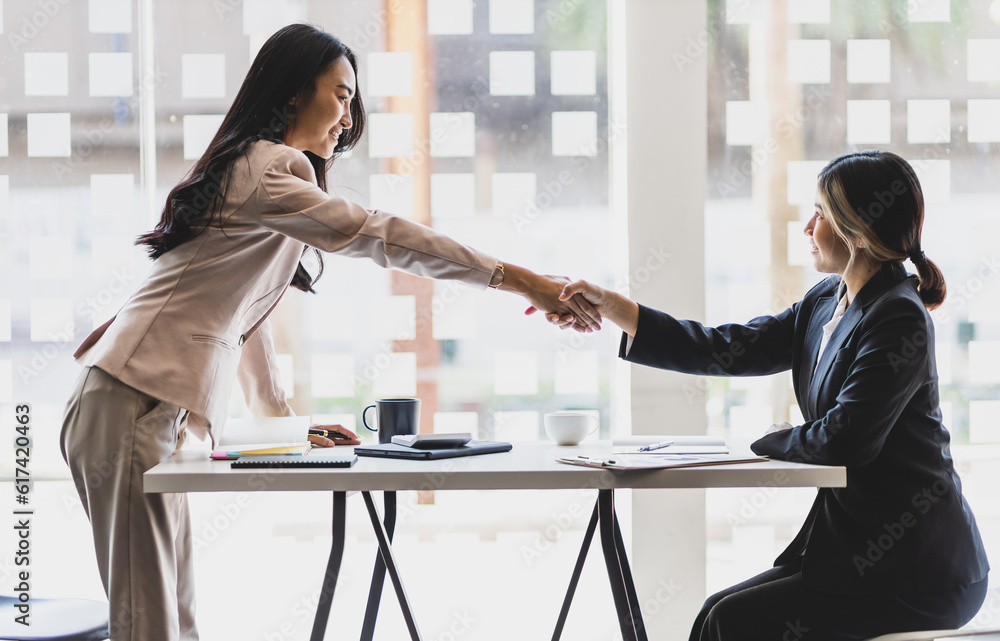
x,y
877,203
285,67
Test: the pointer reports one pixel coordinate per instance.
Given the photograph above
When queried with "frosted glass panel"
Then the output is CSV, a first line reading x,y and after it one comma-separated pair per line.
x,y
745,11
929,11
449,17
399,378
4,320
46,74
110,16
984,421
49,135
984,120
802,181
983,359
984,60
576,372
516,373
198,132
331,318
574,73
928,121
749,421
3,136
746,122
332,375
935,179
516,426
512,73
453,195
110,74
203,75
574,133
867,61
111,195
868,122
4,196
809,11
52,320
452,422
453,134
392,193
809,61
286,373
110,255
394,318
513,193
798,246
390,135
390,74
265,16
454,311
512,16
6,381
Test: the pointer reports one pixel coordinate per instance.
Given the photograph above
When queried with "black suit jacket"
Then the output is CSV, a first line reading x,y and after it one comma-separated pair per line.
x,y
901,525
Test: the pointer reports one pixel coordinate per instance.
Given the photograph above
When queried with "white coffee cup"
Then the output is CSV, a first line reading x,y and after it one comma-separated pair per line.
x,y
569,427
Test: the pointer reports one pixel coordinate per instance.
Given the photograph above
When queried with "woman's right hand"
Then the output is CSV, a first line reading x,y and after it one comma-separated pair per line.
x,y
620,310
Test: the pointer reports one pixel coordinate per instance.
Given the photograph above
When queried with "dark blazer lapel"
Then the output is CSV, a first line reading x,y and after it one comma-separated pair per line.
x,y
887,277
821,314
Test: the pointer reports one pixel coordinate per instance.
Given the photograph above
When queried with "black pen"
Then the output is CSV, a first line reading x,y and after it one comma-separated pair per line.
x,y
326,433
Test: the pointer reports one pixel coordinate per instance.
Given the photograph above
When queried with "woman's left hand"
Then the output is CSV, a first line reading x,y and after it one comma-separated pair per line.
x,y
350,438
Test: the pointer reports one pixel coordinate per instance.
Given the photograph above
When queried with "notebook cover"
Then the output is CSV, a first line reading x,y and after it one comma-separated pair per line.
x,y
392,450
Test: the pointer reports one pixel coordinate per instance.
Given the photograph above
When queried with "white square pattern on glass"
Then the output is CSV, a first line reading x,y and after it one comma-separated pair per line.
x,y
49,135
798,247
809,11
576,372
802,181
50,257
332,376
512,16
984,60
111,195
513,193
4,149
203,75
928,121
398,378
868,61
390,135
286,373
453,134
394,318
456,422
512,73
110,16
574,73
983,424
449,17
392,193
453,195
983,359
198,132
4,196
515,426
52,320
929,11
516,373
264,16
111,256
809,61
390,74
110,74
745,11
574,133
746,122
984,120
454,312
868,122
46,74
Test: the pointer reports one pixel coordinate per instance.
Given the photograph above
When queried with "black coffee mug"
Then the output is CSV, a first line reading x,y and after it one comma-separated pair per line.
x,y
394,416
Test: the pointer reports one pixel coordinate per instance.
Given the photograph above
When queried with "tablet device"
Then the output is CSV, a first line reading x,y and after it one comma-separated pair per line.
x,y
393,450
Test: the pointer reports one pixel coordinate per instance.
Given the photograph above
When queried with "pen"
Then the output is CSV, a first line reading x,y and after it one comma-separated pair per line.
x,y
655,446
327,433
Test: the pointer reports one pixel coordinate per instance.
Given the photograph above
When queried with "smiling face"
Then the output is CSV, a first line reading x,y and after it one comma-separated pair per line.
x,y
830,253
318,123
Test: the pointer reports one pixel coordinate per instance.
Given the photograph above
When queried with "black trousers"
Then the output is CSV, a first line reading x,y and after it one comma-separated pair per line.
x,y
775,606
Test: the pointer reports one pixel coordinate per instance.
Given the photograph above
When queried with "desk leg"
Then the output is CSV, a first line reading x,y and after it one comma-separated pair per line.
x,y
378,574
390,564
575,579
332,567
633,598
613,561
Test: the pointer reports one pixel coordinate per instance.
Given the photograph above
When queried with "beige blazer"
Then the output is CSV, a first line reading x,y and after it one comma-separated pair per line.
x,y
199,319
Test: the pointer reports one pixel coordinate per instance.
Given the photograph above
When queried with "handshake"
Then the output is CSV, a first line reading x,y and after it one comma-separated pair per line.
x,y
579,305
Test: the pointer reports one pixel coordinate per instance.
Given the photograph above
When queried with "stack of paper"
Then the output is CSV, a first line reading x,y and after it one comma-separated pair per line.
x,y
266,436
642,462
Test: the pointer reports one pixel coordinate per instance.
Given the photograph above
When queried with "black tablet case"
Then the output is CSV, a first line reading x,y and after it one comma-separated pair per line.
x,y
392,450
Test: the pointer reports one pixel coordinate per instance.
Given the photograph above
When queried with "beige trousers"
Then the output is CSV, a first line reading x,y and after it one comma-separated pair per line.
x,y
111,434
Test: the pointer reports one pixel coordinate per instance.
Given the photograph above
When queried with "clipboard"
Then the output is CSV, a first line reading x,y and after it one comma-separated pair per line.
x,y
658,462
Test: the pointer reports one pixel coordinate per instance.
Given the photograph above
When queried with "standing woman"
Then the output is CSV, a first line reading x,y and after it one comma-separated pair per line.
x,y
228,245
898,549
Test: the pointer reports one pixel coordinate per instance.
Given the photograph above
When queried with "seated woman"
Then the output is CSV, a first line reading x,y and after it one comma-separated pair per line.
x,y
898,549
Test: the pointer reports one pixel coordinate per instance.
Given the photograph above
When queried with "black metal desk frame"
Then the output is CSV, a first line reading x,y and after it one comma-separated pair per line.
x,y
615,558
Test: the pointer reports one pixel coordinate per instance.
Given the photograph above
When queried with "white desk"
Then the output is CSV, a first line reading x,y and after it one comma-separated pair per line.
x,y
529,466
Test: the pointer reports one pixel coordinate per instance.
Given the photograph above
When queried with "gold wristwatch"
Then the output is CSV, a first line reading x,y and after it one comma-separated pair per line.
x,y
497,279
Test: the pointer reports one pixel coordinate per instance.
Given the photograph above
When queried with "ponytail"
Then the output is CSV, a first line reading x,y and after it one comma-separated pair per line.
x,y
932,288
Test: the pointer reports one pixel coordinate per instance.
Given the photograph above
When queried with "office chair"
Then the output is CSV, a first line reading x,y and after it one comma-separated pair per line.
x,y
55,620
931,635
